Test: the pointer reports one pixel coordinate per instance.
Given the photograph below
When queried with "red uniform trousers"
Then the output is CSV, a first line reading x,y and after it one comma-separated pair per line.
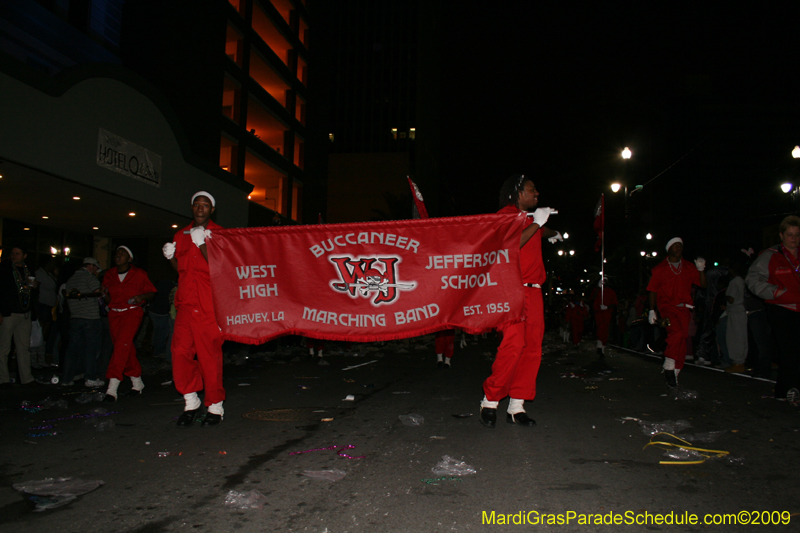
x,y
603,320
520,354
123,326
197,334
576,324
445,341
677,332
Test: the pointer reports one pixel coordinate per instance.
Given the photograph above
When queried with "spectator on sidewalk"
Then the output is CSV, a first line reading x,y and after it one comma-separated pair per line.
x,y
16,307
775,277
85,330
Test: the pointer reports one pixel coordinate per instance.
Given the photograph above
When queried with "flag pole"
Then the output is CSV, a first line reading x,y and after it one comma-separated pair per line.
x,y
602,251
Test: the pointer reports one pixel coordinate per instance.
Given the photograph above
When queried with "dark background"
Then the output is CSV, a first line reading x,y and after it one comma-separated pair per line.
x,y
704,95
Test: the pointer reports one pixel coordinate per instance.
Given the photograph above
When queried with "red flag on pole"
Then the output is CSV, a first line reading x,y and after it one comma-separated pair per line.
x,y
418,201
599,222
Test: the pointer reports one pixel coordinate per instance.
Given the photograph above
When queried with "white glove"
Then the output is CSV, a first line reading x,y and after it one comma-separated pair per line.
x,y
198,234
541,215
556,237
169,250
700,263
651,317
603,307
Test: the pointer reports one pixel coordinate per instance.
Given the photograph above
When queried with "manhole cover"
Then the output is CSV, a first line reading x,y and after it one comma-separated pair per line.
x,y
302,414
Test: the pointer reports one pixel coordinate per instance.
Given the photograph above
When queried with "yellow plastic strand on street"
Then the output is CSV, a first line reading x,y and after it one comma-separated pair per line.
x,y
686,445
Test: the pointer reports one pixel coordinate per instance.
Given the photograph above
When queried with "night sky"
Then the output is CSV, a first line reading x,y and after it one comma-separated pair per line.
x,y
706,98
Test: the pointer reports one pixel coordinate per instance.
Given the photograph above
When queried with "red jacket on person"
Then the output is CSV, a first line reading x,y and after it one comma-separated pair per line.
x,y
770,273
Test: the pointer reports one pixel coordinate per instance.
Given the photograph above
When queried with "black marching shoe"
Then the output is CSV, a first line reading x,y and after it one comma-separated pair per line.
x,y
109,398
488,417
187,418
211,420
672,379
520,419
132,393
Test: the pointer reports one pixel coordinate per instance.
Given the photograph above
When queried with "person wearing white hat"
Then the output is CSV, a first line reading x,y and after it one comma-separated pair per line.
x,y
196,339
670,290
127,289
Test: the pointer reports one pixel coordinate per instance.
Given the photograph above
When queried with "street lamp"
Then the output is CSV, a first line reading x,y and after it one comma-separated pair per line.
x,y
566,235
649,236
615,187
796,152
626,153
786,187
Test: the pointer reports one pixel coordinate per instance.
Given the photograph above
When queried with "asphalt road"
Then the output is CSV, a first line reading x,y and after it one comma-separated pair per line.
x,y
582,460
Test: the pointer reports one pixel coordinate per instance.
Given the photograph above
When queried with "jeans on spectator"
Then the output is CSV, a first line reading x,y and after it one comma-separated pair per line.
x,y
785,324
759,328
84,348
722,344
162,335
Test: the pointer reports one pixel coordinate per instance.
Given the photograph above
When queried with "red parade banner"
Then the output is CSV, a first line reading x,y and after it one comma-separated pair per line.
x,y
367,282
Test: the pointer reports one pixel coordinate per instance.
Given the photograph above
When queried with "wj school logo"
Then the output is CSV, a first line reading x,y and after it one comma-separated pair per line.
x,y
371,277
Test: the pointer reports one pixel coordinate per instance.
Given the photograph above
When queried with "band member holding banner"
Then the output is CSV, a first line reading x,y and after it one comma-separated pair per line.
x,y
520,353
671,289
196,331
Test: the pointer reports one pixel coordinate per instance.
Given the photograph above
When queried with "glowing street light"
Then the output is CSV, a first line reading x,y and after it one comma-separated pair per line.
x,y
615,187
796,152
561,252
649,236
786,187
572,252
626,153
566,235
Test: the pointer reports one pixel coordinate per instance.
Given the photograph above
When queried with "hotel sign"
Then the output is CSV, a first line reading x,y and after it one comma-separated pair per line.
x,y
125,157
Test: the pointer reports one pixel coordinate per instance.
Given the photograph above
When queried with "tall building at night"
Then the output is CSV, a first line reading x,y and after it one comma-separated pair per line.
x,y
380,71
133,105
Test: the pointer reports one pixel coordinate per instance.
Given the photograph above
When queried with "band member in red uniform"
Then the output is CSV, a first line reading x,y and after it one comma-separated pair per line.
x,y
445,344
604,299
197,339
671,288
576,314
125,288
520,353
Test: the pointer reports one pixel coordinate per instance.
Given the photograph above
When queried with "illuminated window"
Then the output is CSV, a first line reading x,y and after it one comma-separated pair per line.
x,y
304,33
299,149
269,80
284,7
231,99
233,45
302,70
265,126
269,33
297,201
300,110
269,184
412,133
228,154
394,133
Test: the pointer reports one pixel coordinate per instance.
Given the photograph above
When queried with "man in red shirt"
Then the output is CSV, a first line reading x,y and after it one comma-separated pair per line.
x,y
604,299
196,331
520,353
125,289
671,288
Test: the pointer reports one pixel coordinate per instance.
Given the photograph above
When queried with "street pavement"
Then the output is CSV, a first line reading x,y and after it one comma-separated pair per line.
x,y
585,459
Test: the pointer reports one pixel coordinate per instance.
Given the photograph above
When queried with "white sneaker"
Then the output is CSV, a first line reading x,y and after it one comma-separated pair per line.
x,y
701,361
94,383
